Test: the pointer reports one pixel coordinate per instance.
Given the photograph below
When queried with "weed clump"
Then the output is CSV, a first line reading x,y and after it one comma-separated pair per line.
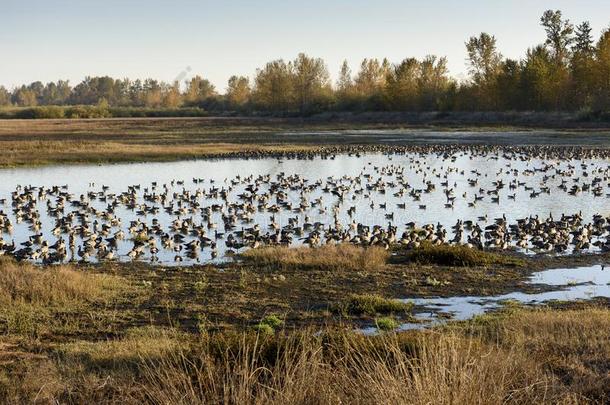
x,y
386,323
370,304
269,324
327,257
457,256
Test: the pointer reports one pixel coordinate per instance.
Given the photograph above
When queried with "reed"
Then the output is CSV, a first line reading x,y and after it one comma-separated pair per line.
x,y
327,257
521,356
459,256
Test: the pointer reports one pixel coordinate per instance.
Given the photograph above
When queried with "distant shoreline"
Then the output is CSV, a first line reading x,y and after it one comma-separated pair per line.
x,y
40,142
453,120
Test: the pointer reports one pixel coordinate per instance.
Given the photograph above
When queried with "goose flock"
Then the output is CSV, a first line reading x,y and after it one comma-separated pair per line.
x,y
488,197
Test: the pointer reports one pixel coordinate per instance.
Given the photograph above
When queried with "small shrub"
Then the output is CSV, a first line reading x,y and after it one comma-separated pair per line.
x,y
273,321
458,256
327,257
370,304
269,324
386,323
264,329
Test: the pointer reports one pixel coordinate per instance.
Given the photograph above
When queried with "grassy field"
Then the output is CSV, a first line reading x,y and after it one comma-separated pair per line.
x,y
27,142
277,325
111,335
41,142
303,287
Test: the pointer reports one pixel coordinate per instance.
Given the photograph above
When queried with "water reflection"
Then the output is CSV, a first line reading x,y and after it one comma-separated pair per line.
x,y
417,170
574,284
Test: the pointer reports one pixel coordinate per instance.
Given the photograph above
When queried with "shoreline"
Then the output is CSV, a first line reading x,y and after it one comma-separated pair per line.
x,y
35,143
417,120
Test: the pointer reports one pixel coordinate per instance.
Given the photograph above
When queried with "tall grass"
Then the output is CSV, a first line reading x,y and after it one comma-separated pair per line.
x,y
35,300
61,285
459,256
523,357
444,369
326,257
574,345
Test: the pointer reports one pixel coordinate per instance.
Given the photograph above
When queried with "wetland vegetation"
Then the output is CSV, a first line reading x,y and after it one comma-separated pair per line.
x,y
73,334
300,282
567,72
400,233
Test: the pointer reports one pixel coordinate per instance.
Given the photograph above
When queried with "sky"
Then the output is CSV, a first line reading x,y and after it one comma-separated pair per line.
x,y
48,40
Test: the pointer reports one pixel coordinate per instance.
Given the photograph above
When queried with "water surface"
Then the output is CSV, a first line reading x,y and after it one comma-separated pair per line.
x,y
380,178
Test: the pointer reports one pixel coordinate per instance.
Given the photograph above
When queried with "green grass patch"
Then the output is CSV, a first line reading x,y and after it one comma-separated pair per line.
x,y
370,304
386,323
269,324
457,256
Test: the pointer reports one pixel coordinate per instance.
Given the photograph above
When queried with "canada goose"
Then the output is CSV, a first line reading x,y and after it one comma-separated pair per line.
x,y
166,217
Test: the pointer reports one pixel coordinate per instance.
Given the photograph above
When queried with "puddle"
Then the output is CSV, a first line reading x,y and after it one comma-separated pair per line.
x,y
378,191
582,283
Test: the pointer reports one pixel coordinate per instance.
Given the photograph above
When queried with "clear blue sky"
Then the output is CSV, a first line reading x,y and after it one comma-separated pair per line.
x,y
69,39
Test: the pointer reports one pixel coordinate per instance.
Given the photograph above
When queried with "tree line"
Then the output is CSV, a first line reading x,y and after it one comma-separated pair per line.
x,y
569,71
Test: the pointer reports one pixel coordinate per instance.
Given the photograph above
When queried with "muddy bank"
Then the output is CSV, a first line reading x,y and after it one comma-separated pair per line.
x,y
238,295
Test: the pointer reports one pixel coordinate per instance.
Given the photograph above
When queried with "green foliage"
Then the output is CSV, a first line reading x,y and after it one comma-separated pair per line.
x,y
238,92
273,321
274,87
370,304
269,324
386,323
199,91
264,329
568,72
459,256
5,96
86,111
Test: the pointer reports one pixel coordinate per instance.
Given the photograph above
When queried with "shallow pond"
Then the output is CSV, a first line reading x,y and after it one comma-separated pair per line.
x,y
381,189
582,283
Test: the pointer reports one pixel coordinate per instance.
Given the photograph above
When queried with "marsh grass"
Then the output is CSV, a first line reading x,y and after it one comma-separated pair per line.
x,y
520,356
371,304
34,300
43,142
387,369
514,356
573,345
326,257
387,323
37,153
147,342
52,286
458,256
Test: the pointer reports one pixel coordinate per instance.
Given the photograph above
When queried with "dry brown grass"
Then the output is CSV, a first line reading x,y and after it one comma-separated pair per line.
x,y
41,142
458,256
59,286
524,357
327,257
573,344
520,356
148,343
442,369
28,153
36,300
79,372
